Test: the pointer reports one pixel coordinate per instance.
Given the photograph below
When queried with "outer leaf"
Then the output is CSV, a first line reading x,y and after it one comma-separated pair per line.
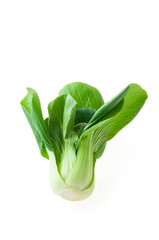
x,y
32,109
85,95
61,122
104,111
69,117
107,129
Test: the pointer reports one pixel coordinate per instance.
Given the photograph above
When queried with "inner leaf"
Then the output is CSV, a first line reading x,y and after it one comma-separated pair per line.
x,y
83,115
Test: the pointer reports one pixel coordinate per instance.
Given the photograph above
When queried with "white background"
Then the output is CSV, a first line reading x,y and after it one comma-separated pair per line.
x,y
108,44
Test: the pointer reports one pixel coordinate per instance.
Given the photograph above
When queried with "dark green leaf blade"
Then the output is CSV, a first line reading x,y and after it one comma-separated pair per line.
x,y
83,115
32,110
104,111
85,95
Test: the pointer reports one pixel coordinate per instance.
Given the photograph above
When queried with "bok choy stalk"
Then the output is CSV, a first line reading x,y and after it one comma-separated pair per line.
x,y
75,133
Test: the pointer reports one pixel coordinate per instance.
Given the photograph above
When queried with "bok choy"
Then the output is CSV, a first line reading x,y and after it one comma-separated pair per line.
x,y
76,130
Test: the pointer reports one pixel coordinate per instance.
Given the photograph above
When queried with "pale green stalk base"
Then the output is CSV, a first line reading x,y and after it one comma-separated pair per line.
x,y
61,188
73,194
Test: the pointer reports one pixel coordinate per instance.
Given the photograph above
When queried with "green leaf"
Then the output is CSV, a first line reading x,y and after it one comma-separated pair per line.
x,y
32,109
85,95
108,108
69,114
105,130
83,115
61,123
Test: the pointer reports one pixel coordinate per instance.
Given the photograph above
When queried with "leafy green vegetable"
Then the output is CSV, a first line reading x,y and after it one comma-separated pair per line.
x,y
76,132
